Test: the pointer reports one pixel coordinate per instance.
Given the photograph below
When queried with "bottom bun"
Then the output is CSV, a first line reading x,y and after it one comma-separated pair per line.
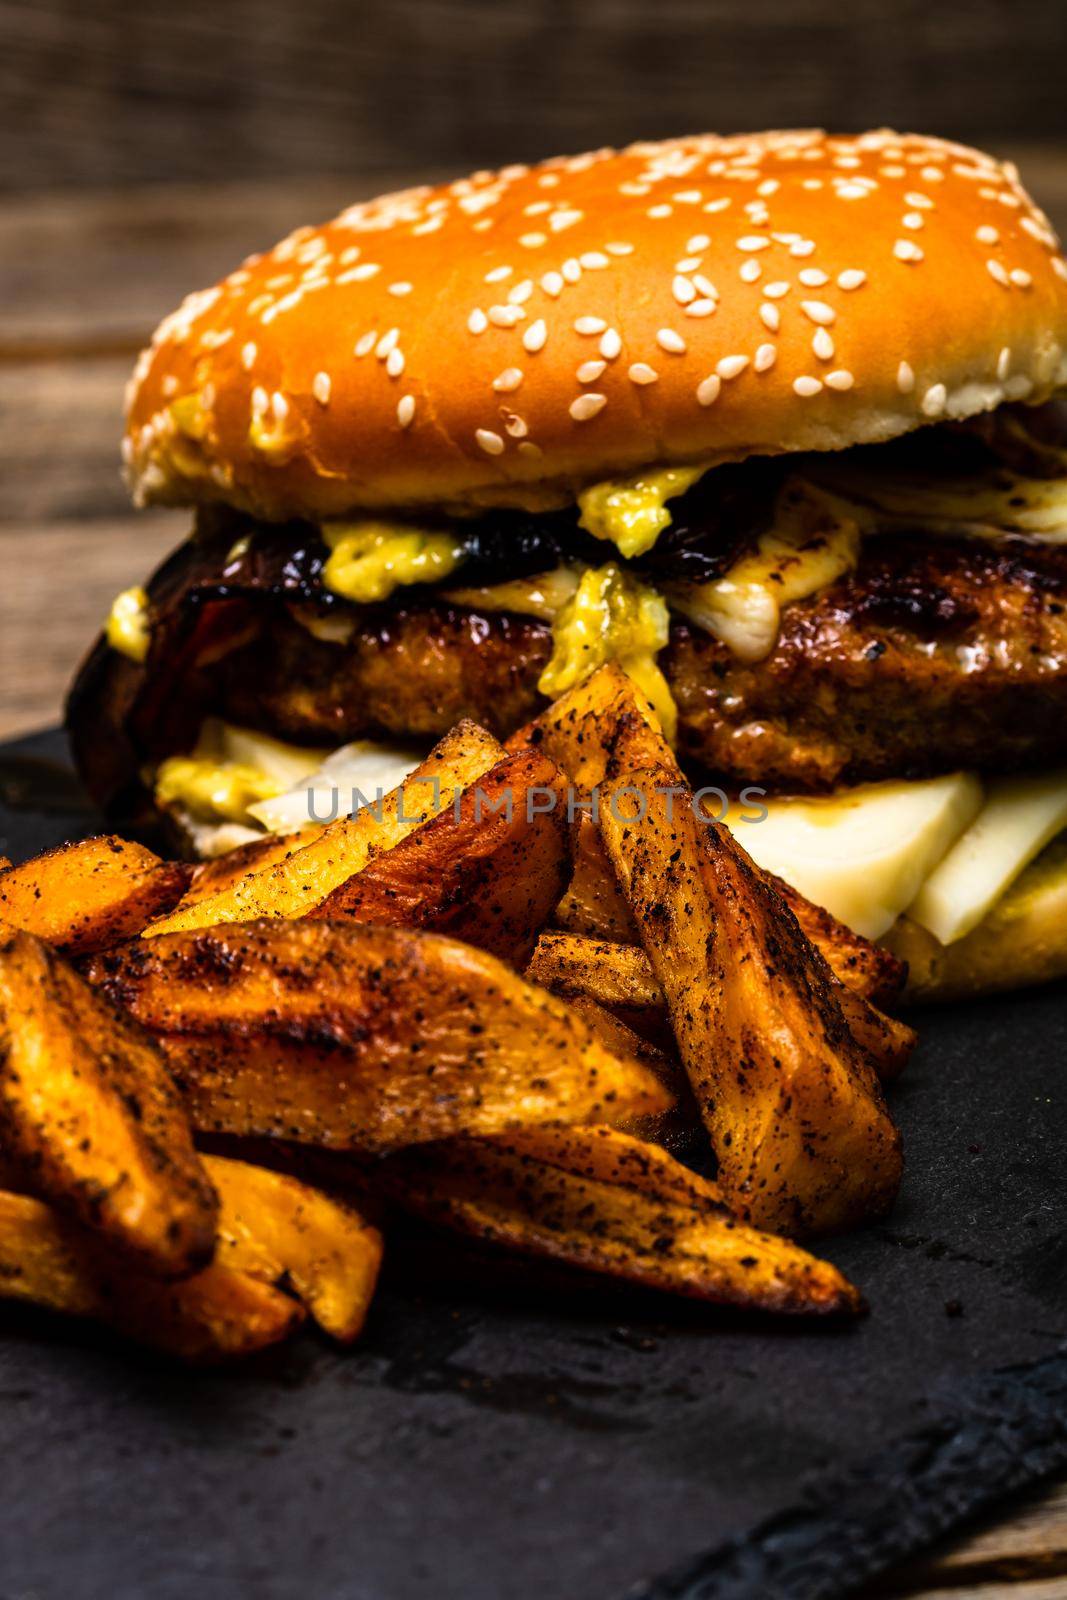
x,y
1022,941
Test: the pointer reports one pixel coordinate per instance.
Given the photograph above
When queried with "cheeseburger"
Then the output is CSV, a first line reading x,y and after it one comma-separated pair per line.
x,y
772,421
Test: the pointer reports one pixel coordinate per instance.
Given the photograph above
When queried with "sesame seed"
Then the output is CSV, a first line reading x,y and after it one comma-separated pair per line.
x,y
279,406
933,401
656,212
571,269
714,206
852,279
753,241
812,277
387,343
505,316
1004,363
528,448
394,363
532,241
366,344
552,284
260,400
922,202
766,356
708,391
705,286
840,379
359,274
819,312
405,410
587,406
823,345
1020,277
996,271
775,291
610,345
907,250
806,387
769,186
987,234
508,380
642,373
519,295
905,378
619,247
731,366
515,426
769,316
673,342
248,356
589,325
699,241
932,174
700,308
912,219
683,290
498,274
490,442
400,289
1059,266
594,260
534,336
851,191
477,322
750,271
803,247
590,371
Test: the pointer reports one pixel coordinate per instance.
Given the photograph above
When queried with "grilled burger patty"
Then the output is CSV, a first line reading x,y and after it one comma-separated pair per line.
x,y
932,655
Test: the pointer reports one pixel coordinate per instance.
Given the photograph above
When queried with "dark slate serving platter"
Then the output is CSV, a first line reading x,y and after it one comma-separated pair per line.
x,y
528,1441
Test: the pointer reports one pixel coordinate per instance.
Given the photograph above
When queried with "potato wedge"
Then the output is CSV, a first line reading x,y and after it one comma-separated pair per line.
x,y
86,896
302,878
593,905
360,1037
273,1227
91,1118
575,730
789,1097
601,1201
49,1261
489,870
222,872
620,978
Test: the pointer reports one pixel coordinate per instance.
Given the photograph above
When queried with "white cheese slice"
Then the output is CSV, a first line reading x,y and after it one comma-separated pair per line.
x,y
352,776
1019,818
862,853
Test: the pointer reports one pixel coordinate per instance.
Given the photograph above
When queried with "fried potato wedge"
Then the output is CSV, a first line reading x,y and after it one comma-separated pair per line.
x,y
789,1096
620,978
594,906
91,1118
273,1227
602,1201
302,878
488,870
86,896
218,1314
575,730
222,872
359,1037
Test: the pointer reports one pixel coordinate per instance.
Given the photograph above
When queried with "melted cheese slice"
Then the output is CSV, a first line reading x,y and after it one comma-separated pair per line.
x,y
357,774
862,853
1020,817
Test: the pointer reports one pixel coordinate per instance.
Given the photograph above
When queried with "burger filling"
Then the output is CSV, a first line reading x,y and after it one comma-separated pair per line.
x,y
877,637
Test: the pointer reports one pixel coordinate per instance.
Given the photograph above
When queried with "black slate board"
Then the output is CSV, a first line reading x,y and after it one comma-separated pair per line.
x,y
518,1444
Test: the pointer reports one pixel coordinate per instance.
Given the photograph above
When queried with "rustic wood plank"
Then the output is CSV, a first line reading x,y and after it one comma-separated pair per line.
x,y
1023,1546
1042,1589
59,579
129,90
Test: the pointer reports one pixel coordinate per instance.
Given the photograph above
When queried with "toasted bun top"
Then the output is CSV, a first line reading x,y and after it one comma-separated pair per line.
x,y
517,333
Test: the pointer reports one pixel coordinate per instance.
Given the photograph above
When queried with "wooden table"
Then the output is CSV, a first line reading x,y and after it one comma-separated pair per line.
x,y
84,279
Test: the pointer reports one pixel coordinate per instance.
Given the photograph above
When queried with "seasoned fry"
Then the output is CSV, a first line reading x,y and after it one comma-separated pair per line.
x,y
593,905
620,978
361,1037
575,730
273,1227
86,896
220,1313
869,969
789,1096
90,1117
599,1200
222,872
489,870
302,878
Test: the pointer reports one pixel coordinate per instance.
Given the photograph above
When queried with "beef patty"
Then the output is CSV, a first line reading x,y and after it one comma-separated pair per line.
x,y
932,655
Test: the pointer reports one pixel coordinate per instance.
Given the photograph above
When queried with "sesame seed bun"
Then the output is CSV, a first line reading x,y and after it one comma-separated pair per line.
x,y
513,335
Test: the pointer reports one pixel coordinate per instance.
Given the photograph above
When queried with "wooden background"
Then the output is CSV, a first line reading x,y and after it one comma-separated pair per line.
x,y
146,145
